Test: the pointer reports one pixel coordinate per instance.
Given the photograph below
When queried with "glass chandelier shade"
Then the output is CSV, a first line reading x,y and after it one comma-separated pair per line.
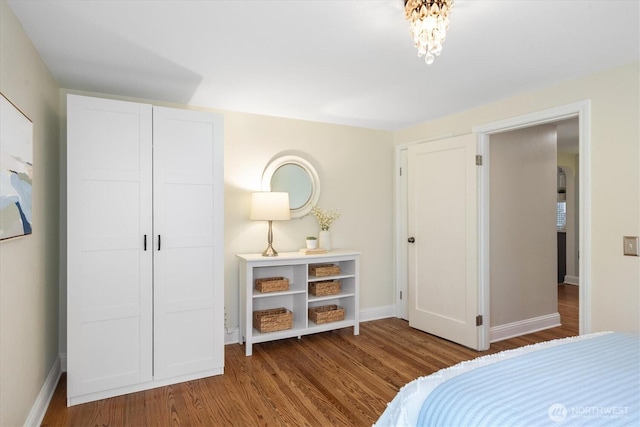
x,y
429,21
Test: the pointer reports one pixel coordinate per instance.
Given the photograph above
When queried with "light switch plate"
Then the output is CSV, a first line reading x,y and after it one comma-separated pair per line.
x,y
631,245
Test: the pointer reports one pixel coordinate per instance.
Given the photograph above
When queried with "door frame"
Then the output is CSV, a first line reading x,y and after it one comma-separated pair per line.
x,y
580,109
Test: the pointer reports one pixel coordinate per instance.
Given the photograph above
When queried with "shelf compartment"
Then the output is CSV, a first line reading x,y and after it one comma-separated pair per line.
x,y
324,288
324,270
295,274
347,287
348,268
293,301
271,284
345,301
344,269
326,314
272,320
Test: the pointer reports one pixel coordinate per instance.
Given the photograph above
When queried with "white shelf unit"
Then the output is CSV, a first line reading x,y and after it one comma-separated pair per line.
x,y
295,267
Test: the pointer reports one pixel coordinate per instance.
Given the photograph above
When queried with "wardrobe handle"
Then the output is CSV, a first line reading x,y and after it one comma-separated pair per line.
x,y
158,242
145,242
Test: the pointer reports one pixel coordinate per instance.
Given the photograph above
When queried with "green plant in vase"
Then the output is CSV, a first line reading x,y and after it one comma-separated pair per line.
x,y
312,242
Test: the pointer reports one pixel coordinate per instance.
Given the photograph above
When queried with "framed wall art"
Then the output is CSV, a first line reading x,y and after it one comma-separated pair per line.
x,y
16,171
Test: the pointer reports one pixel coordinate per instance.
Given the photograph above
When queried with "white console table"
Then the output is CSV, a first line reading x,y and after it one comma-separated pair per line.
x,y
295,267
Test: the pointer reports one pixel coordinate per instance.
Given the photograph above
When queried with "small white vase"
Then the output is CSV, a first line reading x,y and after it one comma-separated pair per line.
x,y
312,244
324,239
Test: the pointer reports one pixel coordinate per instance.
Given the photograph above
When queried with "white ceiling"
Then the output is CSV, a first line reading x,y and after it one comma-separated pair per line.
x,y
336,61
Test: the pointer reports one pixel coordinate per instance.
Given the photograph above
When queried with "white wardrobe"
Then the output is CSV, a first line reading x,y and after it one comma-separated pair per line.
x,y
144,247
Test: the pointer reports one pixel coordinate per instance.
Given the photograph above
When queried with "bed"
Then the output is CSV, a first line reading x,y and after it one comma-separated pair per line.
x,y
590,380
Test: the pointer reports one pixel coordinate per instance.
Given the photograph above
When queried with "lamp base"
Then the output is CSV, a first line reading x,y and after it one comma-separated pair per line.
x,y
270,251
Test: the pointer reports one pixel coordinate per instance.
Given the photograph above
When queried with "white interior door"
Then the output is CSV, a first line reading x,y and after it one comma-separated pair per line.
x,y
443,222
109,286
188,272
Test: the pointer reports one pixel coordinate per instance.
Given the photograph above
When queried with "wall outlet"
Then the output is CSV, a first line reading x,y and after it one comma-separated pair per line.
x,y
631,245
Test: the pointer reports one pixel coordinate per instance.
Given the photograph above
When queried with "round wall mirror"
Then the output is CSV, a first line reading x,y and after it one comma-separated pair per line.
x,y
296,176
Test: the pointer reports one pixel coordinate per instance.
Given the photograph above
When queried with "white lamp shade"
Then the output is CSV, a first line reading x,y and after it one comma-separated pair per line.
x,y
270,206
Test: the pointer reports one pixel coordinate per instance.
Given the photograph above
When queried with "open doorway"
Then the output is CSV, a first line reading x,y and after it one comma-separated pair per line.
x,y
579,111
568,222
568,206
533,226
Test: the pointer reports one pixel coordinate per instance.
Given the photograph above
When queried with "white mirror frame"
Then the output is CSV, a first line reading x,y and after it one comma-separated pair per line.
x,y
276,163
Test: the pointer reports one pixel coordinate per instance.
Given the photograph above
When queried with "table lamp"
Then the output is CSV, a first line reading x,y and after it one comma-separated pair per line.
x,y
270,206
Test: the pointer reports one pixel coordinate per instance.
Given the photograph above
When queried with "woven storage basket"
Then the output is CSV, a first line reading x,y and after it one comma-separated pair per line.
x,y
272,284
275,319
326,314
326,287
321,270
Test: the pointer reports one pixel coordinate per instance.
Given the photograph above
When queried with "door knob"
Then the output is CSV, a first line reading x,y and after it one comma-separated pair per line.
x,y
411,240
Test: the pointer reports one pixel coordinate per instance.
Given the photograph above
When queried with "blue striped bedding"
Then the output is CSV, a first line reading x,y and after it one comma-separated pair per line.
x,y
583,381
590,382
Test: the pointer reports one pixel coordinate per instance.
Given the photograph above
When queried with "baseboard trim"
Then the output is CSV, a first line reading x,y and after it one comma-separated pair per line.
x,y
572,280
39,408
522,327
376,313
232,337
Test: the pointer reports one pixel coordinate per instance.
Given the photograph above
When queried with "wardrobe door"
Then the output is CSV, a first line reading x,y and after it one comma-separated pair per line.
x,y
188,243
109,271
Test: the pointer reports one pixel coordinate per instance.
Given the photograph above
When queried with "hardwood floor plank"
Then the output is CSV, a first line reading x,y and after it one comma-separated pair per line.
x,y
332,378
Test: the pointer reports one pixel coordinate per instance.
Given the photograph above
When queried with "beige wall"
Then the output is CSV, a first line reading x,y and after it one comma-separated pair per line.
x,y
355,166
29,265
570,160
615,177
523,228
356,173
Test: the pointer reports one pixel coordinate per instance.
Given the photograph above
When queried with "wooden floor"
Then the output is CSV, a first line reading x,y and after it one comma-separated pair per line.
x,y
332,378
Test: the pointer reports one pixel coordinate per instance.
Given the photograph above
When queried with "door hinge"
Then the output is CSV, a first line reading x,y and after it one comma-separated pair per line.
x,y
400,171
478,160
479,320
400,294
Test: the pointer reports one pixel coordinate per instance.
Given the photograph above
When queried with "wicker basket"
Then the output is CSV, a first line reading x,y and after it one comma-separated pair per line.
x,y
326,287
272,284
322,270
326,314
275,319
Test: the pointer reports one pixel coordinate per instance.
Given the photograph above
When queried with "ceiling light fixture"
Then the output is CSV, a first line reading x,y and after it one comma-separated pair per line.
x,y
429,21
